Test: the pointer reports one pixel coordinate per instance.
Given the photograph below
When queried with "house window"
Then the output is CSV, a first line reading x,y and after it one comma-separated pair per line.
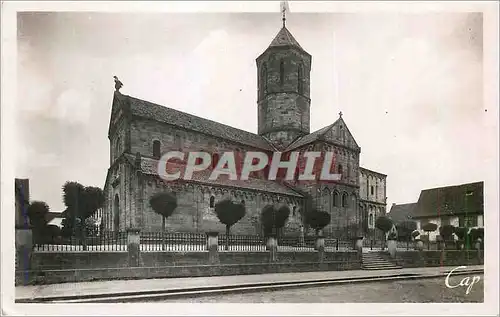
x,y
344,200
371,189
469,221
212,201
156,149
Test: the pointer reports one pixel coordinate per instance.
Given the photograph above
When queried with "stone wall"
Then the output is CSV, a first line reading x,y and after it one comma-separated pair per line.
x,y
439,258
194,214
58,267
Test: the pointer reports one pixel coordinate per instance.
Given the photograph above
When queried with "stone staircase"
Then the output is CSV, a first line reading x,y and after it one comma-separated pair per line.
x,y
378,261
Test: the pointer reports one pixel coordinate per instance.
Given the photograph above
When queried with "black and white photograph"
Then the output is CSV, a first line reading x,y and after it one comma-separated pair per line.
x,y
237,152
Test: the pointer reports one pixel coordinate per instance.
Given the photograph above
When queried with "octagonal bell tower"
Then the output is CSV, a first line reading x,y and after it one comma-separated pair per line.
x,y
283,90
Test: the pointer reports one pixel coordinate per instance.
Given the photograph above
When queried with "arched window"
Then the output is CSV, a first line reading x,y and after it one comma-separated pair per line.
x,y
371,190
335,199
117,147
300,79
263,80
344,200
294,209
215,160
348,171
212,201
243,202
116,214
156,149
371,221
282,72
340,169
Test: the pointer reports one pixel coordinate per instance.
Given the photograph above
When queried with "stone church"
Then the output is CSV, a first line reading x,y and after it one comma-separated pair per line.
x,y
140,132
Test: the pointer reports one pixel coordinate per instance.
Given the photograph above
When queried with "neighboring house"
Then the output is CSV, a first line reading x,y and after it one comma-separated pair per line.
x,y
402,212
458,205
54,218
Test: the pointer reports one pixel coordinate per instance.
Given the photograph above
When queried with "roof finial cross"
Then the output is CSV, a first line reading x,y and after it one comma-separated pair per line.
x,y
340,114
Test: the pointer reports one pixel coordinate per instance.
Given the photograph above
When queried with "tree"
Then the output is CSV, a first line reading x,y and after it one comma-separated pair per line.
x,y
164,204
229,213
383,223
405,229
52,232
81,203
274,218
37,213
317,220
446,232
429,227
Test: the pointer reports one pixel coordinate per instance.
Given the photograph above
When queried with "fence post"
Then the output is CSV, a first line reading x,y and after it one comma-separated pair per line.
x,y
212,247
478,248
272,246
24,248
134,246
320,246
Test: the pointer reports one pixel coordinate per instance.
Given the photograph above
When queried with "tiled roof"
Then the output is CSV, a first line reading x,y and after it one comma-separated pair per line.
x,y
451,200
188,121
399,213
150,167
285,38
371,171
309,138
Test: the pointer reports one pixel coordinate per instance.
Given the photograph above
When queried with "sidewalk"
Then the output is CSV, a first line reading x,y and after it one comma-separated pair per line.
x,y
150,285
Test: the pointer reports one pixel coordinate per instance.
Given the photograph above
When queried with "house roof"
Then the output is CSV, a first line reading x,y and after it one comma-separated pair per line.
x,y
150,167
51,215
402,212
450,200
149,110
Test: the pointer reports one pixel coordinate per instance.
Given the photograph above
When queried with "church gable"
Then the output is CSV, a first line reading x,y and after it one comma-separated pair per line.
x,y
340,134
119,109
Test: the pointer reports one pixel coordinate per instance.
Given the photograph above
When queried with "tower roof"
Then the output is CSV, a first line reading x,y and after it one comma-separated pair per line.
x,y
285,38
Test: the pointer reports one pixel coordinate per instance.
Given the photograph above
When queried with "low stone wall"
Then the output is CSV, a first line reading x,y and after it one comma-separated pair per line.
x,y
438,258
72,260
92,274
90,260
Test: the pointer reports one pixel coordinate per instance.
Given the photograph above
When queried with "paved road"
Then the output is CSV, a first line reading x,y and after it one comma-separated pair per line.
x,y
406,291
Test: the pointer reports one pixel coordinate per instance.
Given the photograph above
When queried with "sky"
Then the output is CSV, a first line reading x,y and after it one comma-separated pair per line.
x,y
409,87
